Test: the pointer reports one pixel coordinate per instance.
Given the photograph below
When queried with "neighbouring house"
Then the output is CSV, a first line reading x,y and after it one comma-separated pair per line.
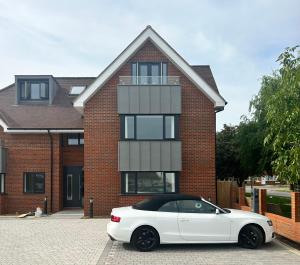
x,y
146,125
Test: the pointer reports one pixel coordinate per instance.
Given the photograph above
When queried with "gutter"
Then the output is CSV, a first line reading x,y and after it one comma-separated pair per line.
x,y
22,130
51,169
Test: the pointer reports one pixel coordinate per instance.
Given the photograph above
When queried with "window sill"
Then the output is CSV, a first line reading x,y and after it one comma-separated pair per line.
x,y
33,193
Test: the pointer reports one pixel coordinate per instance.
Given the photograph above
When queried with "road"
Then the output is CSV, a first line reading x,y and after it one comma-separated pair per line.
x,y
272,190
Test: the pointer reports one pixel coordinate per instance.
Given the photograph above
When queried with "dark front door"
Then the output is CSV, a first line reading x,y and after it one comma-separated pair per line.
x,y
73,186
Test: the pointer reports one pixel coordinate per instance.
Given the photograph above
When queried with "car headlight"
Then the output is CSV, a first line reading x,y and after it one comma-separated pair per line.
x,y
270,223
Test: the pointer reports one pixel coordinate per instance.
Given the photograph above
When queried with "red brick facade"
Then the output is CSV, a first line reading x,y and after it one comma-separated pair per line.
x,y
102,133
99,156
32,153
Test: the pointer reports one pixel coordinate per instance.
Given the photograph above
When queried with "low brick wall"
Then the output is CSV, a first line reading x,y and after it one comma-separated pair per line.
x,y
287,227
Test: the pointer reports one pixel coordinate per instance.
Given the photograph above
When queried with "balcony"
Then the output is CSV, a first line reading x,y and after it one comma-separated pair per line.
x,y
149,80
149,95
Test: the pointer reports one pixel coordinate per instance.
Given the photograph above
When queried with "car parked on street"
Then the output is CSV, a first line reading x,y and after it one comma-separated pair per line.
x,y
178,219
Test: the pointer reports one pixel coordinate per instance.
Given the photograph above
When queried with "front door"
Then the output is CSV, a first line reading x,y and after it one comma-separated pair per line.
x,y
73,187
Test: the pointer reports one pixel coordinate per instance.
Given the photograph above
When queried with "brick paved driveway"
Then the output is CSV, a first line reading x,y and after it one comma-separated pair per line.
x,y
84,241
51,241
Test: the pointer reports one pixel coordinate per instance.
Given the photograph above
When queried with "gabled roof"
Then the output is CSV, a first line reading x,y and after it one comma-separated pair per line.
x,y
61,115
165,48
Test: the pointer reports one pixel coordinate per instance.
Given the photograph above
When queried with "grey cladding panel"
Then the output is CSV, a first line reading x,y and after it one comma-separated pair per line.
x,y
155,99
134,155
144,99
134,102
155,156
166,156
165,97
145,156
124,156
149,99
149,156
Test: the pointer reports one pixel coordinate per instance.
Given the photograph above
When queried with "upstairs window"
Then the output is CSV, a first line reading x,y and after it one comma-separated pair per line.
x,y
34,89
75,139
149,73
149,127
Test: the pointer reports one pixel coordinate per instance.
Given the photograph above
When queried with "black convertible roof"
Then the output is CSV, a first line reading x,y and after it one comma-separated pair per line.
x,y
154,203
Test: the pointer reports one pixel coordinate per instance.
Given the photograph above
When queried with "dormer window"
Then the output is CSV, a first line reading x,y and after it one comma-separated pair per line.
x,y
34,89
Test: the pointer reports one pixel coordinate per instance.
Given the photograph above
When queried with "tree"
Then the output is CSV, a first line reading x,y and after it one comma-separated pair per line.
x,y
283,118
258,110
228,162
250,144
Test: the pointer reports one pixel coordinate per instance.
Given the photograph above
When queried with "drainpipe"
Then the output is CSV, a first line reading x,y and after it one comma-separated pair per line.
x,y
51,169
216,177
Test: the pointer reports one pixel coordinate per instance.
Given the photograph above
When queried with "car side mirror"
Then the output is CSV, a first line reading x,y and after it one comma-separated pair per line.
x,y
217,211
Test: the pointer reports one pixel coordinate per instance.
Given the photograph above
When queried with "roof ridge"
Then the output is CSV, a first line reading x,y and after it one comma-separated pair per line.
x,y
7,87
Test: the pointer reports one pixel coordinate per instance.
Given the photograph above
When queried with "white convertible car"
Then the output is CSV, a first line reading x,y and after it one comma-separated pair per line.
x,y
188,219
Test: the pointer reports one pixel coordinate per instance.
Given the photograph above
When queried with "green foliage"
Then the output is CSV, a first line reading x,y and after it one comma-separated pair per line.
x,y
227,157
239,151
269,140
283,118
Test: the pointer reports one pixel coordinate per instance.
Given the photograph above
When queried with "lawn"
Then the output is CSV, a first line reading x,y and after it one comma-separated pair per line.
x,y
284,204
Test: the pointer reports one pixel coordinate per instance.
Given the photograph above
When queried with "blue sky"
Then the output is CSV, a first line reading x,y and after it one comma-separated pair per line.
x,y
240,40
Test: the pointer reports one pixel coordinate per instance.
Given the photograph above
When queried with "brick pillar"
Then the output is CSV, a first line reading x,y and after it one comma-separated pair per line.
x,y
295,206
262,195
241,195
2,204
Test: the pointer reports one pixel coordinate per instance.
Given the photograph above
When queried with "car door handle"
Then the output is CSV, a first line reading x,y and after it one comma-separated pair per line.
x,y
184,220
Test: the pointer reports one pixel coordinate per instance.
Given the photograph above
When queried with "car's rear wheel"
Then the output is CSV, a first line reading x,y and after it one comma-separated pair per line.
x,y
145,238
251,237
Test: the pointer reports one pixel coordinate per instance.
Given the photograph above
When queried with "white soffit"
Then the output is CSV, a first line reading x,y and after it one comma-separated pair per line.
x,y
149,33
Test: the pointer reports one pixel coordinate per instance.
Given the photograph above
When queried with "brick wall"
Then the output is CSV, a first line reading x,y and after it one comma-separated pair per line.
x,y
31,153
102,133
287,227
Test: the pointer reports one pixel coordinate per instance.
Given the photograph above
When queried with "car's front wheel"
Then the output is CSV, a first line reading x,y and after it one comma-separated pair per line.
x,y
145,238
251,237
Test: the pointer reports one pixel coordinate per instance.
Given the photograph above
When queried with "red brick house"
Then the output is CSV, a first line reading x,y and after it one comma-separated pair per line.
x,y
144,126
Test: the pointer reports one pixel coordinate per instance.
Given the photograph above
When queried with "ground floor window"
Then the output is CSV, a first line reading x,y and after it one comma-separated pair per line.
x,y
34,182
2,183
149,182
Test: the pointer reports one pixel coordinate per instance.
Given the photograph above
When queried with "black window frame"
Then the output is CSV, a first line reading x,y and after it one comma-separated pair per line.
x,y
33,81
2,188
135,71
176,127
76,136
32,191
123,183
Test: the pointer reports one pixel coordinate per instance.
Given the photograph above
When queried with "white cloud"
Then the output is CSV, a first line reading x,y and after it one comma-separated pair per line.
x,y
239,39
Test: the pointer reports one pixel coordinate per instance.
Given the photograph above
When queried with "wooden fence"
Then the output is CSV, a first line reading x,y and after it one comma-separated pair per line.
x,y
227,193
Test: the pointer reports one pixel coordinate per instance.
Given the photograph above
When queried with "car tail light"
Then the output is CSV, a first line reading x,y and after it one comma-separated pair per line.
x,y
115,219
